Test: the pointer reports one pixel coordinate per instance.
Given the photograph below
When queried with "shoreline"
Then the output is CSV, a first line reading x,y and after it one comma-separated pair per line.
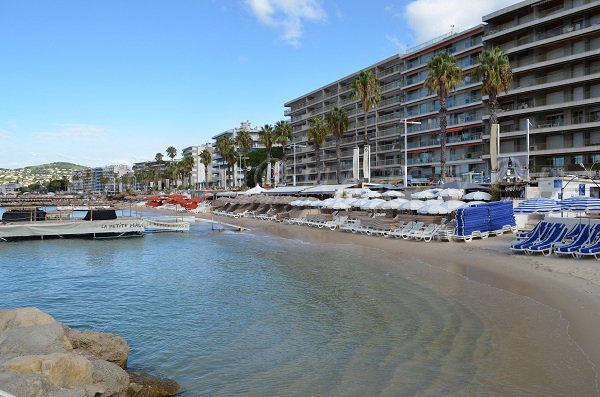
x,y
572,287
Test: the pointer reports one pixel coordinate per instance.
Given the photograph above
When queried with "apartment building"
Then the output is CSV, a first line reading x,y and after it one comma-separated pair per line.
x,y
219,167
198,173
401,79
554,51
464,144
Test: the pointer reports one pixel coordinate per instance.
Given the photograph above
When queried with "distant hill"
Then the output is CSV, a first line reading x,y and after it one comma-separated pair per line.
x,y
58,164
42,173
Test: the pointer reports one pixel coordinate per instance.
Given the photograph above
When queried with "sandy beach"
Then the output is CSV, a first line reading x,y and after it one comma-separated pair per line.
x,y
570,286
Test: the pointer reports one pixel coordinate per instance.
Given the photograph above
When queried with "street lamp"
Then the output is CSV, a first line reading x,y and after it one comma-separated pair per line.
x,y
294,146
589,172
405,121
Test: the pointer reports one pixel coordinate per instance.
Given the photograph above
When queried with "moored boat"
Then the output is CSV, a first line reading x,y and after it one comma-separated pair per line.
x,y
36,224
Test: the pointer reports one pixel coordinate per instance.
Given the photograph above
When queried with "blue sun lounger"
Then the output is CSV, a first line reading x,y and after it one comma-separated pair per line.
x,y
521,245
536,231
587,236
545,246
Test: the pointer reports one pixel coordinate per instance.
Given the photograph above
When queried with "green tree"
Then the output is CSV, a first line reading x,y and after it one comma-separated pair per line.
x,y
443,76
158,173
283,133
186,167
244,141
206,159
317,132
496,75
366,88
337,124
225,146
104,182
267,137
171,152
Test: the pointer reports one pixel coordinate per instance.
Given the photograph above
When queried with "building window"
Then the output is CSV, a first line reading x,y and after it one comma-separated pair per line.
x,y
558,161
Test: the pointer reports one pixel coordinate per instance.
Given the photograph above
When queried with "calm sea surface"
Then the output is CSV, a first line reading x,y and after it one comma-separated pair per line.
x,y
229,314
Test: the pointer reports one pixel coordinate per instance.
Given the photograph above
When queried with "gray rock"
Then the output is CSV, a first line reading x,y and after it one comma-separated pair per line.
x,y
39,339
108,347
145,385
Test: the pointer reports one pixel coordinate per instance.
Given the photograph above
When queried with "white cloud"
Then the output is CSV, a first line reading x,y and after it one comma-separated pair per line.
x,y
395,40
74,131
5,134
287,15
432,18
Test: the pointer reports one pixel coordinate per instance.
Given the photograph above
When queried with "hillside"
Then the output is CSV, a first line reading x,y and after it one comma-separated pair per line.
x,y
42,173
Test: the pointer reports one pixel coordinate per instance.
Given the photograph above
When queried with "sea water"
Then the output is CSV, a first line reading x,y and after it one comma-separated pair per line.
x,y
229,314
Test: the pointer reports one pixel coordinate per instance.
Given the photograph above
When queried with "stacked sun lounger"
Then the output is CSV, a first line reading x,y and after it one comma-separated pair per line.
x,y
481,220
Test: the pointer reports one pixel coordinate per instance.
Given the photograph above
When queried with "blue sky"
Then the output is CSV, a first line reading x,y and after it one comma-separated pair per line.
x,y
100,82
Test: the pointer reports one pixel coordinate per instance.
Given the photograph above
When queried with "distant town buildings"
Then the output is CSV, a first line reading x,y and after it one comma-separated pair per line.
x,y
198,173
219,168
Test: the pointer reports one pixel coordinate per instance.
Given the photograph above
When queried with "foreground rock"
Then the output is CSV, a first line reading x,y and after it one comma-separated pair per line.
x,y
40,357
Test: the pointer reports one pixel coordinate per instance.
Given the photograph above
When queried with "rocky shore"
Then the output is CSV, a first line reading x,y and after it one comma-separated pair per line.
x,y
41,357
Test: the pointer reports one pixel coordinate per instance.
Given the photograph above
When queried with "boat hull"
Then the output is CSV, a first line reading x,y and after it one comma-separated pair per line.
x,y
72,229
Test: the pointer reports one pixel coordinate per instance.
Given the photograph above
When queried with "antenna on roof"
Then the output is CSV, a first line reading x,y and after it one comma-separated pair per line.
x,y
451,29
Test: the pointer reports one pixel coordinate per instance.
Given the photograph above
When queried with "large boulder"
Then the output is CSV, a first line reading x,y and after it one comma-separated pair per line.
x,y
63,370
107,347
113,379
38,339
144,385
25,317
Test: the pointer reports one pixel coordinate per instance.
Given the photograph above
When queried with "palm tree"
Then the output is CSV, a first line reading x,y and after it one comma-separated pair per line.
x,y
317,132
244,141
225,146
206,159
283,132
171,152
159,159
186,166
337,124
266,135
495,72
366,88
443,76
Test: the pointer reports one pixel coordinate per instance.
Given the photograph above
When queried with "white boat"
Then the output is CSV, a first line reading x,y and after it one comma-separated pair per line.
x,y
155,226
35,224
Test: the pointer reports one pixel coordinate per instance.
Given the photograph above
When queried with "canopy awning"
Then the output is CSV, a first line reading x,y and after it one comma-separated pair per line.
x,y
286,190
325,189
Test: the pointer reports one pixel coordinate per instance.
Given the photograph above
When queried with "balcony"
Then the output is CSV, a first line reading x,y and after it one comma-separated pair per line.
x,y
528,21
389,86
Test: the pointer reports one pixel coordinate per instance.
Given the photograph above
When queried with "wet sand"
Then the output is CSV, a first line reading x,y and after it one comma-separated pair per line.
x,y
570,286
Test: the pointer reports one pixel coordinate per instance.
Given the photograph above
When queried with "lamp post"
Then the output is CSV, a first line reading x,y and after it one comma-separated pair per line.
x,y
589,172
294,173
406,122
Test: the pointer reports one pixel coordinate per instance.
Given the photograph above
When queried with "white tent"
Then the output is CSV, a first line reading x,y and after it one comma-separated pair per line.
x,y
478,196
452,193
392,204
432,209
412,205
452,205
392,193
372,204
425,194
255,190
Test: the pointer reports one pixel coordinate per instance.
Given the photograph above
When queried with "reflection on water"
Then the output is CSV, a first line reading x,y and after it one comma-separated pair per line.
x,y
230,314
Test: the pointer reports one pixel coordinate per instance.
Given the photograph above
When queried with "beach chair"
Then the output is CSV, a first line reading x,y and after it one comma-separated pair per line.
x,y
427,234
537,230
335,223
521,245
589,249
416,229
588,234
545,246
398,232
